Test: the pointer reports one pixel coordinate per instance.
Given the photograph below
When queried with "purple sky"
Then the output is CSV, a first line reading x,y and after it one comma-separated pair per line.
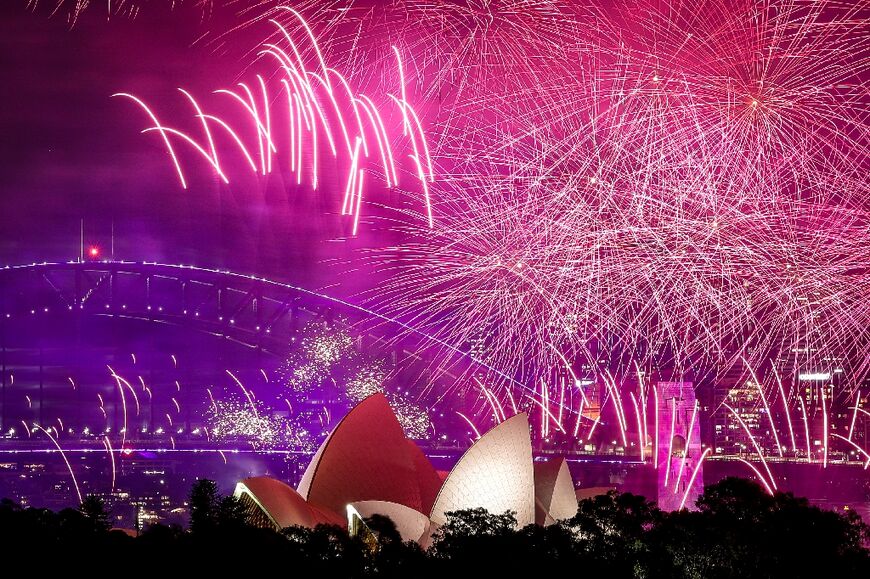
x,y
69,151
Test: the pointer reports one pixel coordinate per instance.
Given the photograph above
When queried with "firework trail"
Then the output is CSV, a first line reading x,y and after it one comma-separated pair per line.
x,y
120,383
758,474
73,10
111,453
63,455
695,472
319,116
245,391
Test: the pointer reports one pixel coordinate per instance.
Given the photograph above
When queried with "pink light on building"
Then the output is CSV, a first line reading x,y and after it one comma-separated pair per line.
x,y
679,445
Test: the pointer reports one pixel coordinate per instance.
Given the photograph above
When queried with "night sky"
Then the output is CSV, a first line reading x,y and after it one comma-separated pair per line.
x,y
69,151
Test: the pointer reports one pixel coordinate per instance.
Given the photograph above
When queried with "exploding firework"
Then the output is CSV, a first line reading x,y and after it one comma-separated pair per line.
x,y
329,357
234,419
368,380
321,347
689,189
620,184
621,187
695,196
415,420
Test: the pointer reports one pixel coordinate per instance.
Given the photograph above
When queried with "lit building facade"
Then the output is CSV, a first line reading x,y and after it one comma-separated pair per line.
x,y
679,452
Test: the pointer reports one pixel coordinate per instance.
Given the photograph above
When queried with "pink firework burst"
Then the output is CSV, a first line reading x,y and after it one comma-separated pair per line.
x,y
695,194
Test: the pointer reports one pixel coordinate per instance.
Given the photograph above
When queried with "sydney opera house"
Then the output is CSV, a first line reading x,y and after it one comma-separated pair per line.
x,y
367,466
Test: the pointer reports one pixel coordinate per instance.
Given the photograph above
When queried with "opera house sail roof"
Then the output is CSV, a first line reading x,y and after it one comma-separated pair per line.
x,y
496,473
555,496
368,466
368,457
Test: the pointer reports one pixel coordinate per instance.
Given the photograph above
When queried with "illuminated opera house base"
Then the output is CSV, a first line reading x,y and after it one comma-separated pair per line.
x,y
367,466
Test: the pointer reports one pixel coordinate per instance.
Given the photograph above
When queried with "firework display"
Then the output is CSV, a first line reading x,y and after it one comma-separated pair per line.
x,y
327,359
643,223
685,194
681,192
233,420
673,202
321,348
683,189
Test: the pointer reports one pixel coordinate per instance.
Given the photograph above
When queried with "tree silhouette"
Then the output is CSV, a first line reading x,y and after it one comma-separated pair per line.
x,y
475,541
742,531
230,512
327,550
394,557
738,531
94,511
384,529
476,522
204,505
610,533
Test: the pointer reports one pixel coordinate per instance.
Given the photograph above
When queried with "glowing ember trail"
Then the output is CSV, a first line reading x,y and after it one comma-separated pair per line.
x,y
65,460
306,90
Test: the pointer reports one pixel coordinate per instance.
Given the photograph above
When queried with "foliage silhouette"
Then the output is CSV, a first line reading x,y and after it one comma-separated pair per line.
x,y
738,530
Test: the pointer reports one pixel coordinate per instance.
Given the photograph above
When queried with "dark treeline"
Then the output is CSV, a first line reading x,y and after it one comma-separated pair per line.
x,y
738,531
